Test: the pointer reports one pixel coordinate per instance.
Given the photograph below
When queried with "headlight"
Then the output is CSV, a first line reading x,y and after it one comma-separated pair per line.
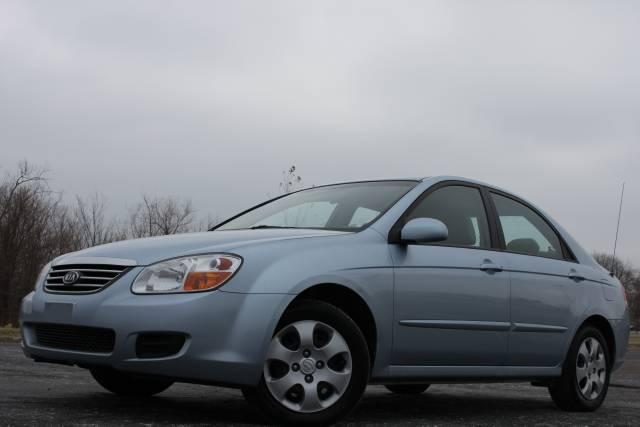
x,y
42,276
187,274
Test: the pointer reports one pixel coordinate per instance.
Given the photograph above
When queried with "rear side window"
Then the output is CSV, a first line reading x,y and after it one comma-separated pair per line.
x,y
525,231
461,209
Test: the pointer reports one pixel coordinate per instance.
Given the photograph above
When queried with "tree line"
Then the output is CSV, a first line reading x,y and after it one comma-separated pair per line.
x,y
36,225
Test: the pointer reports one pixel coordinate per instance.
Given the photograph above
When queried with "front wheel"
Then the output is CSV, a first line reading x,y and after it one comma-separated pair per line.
x,y
125,384
585,373
316,369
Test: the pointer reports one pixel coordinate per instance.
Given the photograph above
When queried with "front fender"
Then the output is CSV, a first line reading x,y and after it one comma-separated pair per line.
x,y
358,261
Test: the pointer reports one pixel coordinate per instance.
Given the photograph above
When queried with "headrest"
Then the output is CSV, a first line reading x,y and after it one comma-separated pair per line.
x,y
527,246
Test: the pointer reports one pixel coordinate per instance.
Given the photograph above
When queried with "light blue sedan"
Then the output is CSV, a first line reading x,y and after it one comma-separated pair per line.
x,y
305,299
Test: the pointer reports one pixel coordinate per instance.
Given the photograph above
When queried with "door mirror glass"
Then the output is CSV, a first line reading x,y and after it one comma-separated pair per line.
x,y
424,230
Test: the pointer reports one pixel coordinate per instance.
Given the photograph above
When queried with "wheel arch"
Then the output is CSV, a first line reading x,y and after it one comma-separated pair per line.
x,y
602,324
349,301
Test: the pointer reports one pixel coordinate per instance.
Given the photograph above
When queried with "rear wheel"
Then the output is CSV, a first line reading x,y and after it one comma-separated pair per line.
x,y
317,367
407,388
585,373
125,384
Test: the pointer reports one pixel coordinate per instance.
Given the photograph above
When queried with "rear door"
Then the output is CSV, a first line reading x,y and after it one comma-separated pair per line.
x,y
544,282
451,298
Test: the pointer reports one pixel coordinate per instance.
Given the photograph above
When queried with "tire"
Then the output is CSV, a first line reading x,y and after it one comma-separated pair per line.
x,y
337,353
124,384
586,371
407,388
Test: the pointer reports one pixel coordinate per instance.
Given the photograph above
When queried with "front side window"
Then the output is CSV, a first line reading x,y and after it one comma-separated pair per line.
x,y
346,207
461,209
525,231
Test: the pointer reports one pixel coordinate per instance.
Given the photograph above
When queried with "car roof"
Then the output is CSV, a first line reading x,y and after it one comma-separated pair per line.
x,y
437,178
432,179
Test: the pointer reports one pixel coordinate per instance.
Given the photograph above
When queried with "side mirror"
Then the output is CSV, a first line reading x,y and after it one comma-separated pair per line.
x,y
424,230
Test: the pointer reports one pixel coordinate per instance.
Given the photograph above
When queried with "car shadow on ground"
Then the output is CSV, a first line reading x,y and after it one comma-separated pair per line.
x,y
379,407
448,408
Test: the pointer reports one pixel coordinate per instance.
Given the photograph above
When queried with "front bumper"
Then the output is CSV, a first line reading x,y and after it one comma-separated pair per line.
x,y
227,333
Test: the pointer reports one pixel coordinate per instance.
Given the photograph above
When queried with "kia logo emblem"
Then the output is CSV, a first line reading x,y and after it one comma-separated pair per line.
x,y
308,366
71,277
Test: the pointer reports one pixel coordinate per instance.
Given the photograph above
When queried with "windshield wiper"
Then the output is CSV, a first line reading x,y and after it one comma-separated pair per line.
x,y
259,227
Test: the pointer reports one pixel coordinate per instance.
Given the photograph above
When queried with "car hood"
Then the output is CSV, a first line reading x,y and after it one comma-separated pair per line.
x,y
149,250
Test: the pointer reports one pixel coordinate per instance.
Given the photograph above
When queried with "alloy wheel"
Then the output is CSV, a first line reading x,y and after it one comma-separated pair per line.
x,y
591,368
308,366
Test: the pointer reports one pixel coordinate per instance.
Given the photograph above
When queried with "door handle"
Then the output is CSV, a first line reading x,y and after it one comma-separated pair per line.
x,y
489,267
575,276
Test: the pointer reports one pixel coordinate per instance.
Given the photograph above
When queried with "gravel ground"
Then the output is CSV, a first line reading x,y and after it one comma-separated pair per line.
x,y
35,393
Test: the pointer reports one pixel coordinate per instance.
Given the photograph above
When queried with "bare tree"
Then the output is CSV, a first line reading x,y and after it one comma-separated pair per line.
x,y
26,175
206,224
92,226
290,180
34,228
623,270
161,216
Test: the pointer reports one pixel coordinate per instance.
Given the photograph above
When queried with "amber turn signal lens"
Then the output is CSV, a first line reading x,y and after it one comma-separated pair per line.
x,y
199,281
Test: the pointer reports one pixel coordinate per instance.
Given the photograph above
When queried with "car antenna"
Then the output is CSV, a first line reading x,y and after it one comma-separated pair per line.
x,y
615,244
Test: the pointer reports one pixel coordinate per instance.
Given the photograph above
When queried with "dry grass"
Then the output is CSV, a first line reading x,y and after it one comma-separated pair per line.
x,y
634,339
9,334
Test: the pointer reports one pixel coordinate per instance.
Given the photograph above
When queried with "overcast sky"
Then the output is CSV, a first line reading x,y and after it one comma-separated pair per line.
x,y
212,100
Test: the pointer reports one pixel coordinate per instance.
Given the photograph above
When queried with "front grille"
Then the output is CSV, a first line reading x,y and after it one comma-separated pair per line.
x,y
75,338
88,277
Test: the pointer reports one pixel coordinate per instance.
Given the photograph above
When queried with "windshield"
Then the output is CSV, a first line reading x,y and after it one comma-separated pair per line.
x,y
344,207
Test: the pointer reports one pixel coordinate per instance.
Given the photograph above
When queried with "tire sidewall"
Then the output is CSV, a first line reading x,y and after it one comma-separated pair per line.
x,y
332,316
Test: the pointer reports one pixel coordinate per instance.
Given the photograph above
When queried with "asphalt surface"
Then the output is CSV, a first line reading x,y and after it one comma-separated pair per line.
x,y
34,393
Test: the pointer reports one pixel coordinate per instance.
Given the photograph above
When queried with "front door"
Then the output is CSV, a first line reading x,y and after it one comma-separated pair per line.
x,y
451,298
